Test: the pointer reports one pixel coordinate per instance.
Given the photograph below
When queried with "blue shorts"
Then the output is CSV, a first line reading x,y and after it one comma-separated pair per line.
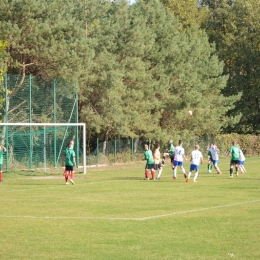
x,y
241,162
215,162
194,167
177,163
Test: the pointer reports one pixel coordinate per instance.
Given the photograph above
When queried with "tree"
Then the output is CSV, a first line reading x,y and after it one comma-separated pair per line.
x,y
3,45
192,73
44,38
148,72
115,97
234,26
189,12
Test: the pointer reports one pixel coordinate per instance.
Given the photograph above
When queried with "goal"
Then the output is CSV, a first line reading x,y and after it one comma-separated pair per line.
x,y
41,145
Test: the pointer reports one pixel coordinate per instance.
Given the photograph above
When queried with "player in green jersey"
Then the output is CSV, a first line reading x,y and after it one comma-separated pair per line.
x,y
169,152
210,160
70,160
148,157
235,153
2,151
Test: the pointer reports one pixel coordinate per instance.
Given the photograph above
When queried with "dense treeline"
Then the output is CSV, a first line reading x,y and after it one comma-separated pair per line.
x,y
141,67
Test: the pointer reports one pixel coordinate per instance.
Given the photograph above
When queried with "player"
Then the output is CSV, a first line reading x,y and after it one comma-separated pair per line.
x,y
196,160
214,151
179,155
2,151
70,160
241,162
210,160
169,152
157,159
235,152
148,156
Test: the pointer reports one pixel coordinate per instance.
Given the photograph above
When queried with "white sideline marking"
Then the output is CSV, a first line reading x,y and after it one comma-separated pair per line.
x,y
134,219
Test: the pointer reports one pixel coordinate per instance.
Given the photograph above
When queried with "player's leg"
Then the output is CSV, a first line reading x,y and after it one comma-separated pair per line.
x,y
164,157
242,167
160,168
183,171
174,168
231,169
196,169
1,173
216,167
189,174
195,176
211,166
151,170
66,174
72,173
146,172
236,167
208,166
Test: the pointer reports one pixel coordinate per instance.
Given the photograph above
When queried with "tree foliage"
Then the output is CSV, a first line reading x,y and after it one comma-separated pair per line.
x,y
188,12
45,36
139,67
235,27
147,72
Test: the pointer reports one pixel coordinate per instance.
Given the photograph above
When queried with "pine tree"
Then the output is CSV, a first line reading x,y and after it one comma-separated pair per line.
x,y
45,38
235,29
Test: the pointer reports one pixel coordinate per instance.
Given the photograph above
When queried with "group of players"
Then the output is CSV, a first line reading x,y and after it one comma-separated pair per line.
x,y
177,156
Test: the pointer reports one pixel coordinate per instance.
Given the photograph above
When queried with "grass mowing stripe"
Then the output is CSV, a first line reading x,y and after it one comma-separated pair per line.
x,y
136,219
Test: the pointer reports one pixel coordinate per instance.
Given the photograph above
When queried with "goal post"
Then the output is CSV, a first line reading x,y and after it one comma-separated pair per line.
x,y
41,145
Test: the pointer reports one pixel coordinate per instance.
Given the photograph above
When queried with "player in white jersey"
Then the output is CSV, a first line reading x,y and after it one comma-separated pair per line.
x,y
215,158
241,161
179,155
196,160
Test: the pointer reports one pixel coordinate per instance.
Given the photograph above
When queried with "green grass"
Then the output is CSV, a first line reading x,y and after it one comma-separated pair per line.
x,y
111,213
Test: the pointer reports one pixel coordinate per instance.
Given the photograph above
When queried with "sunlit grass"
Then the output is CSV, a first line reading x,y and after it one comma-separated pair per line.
x,y
112,213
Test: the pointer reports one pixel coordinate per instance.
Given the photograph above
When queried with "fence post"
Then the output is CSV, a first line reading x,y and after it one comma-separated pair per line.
x,y
30,120
55,117
6,119
97,151
77,120
132,149
115,151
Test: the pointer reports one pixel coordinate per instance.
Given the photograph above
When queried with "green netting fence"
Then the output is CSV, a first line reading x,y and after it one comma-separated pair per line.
x,y
40,147
31,99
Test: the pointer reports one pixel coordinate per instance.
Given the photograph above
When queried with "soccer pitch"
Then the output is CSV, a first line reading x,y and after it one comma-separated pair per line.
x,y
112,213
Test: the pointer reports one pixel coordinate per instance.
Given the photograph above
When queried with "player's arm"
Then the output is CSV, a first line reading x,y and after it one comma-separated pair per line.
x,y
4,149
74,160
184,157
228,153
145,157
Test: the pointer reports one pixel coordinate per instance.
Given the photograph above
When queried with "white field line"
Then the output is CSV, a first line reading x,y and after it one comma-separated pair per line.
x,y
133,219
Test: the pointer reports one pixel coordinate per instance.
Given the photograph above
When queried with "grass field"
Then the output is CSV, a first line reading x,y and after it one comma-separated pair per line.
x,y
112,213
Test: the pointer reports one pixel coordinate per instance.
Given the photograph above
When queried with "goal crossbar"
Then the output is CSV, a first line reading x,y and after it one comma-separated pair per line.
x,y
58,124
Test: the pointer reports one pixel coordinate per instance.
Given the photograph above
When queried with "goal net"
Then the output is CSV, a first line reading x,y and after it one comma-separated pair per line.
x,y
41,145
